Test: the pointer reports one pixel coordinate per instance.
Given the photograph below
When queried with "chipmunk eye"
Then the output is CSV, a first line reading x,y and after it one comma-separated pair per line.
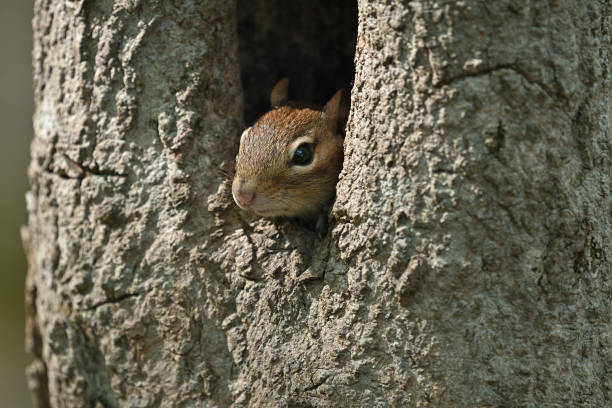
x,y
303,154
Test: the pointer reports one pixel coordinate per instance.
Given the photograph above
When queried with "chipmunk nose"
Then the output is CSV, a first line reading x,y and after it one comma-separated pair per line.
x,y
244,193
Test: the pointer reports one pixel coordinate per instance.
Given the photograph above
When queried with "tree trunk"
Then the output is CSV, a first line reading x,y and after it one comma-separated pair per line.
x,y
468,257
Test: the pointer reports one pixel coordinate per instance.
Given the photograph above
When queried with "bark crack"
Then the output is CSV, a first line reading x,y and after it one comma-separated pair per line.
x,y
78,171
117,299
486,71
317,384
85,171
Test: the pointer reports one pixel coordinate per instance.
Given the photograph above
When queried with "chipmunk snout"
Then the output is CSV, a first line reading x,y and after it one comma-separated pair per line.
x,y
244,192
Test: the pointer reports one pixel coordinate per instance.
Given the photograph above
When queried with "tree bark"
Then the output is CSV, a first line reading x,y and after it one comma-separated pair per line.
x,y
468,257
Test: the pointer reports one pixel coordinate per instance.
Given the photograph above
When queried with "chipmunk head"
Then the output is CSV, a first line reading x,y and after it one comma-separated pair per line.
x,y
289,160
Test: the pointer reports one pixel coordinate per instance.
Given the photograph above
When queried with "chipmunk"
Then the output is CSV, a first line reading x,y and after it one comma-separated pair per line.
x,y
289,160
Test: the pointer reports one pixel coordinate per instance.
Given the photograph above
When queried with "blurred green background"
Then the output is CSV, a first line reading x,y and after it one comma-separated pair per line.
x,y
15,135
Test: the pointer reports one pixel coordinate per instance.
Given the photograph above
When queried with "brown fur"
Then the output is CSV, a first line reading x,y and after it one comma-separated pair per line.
x,y
263,160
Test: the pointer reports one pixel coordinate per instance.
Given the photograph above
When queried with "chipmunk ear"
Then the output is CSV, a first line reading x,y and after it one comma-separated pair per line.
x,y
245,132
278,96
336,110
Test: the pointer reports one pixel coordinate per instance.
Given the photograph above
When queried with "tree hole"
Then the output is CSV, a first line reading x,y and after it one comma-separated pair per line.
x,y
310,42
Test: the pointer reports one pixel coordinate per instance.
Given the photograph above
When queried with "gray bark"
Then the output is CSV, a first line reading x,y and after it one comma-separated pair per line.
x,y
468,258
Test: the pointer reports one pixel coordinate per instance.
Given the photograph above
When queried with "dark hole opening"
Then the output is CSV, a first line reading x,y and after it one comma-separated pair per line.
x,y
310,42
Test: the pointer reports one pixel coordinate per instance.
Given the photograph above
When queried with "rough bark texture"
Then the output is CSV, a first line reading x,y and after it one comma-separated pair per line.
x,y
468,258
474,208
